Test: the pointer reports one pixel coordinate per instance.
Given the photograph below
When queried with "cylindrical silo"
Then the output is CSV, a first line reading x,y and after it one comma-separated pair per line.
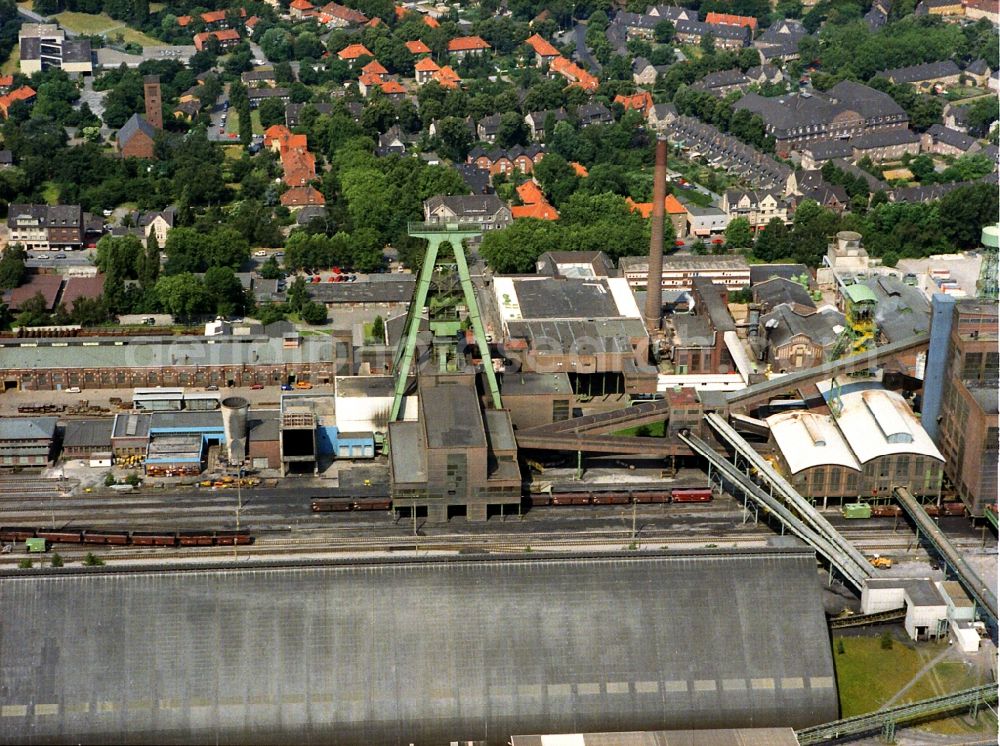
x,y
234,423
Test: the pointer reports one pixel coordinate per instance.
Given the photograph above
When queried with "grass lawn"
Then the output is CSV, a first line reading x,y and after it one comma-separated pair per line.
x,y
101,23
11,64
257,127
868,676
655,430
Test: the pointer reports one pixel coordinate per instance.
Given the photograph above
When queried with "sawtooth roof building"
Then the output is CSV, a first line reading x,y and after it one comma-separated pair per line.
x,y
418,651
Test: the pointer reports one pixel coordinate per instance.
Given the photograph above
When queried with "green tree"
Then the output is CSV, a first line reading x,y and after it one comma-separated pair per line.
x,y
773,242
92,560
57,560
516,247
739,234
276,44
313,313
663,32
225,291
513,130
456,138
183,295
12,266
298,295
149,270
378,329
271,270
272,111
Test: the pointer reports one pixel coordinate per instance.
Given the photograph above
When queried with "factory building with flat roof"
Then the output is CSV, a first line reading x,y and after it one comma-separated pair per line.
x,y
427,650
579,327
680,271
457,457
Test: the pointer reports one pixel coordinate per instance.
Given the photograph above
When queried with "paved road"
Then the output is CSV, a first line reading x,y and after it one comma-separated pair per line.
x,y
582,53
216,116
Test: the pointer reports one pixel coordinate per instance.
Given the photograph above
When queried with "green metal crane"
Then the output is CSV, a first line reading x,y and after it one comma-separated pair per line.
x,y
436,234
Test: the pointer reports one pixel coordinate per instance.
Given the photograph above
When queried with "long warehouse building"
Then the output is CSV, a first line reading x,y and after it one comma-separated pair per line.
x,y
417,651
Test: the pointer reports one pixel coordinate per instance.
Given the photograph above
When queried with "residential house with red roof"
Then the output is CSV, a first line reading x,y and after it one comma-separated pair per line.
x,y
544,51
424,70
417,47
574,74
641,101
533,204
672,208
728,19
227,38
333,15
463,46
24,93
301,9
446,77
352,52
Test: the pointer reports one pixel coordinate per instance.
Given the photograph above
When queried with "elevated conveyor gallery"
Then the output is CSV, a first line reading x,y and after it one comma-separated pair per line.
x,y
738,481
887,720
970,580
779,486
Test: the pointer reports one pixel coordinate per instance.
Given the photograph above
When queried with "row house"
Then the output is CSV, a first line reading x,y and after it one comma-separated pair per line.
x,y
726,152
757,207
726,37
728,19
644,72
924,77
536,121
595,113
518,158
723,82
46,226
641,102
216,20
780,41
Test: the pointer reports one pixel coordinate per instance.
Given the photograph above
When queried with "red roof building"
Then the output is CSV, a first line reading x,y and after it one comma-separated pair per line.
x,y
392,88
575,74
579,169
544,51
184,21
424,70
446,77
24,93
354,51
46,285
6,81
431,22
727,19
82,287
302,197
375,68
227,38
418,47
462,46
641,101
535,205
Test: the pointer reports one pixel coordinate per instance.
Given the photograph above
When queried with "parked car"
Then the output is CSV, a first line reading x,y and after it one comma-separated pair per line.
x,y
286,387
257,387
73,390
260,252
304,385
213,387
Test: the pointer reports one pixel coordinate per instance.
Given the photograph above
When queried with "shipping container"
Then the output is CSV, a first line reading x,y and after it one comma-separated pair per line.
x,y
857,510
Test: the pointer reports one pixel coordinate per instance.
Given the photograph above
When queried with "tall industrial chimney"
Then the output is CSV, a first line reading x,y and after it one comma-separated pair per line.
x,y
654,280
234,424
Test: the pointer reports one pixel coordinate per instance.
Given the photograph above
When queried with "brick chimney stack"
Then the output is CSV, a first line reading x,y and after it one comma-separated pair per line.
x,y
154,101
654,280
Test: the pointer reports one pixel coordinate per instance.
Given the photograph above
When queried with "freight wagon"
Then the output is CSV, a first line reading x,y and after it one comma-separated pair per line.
x,y
127,538
345,504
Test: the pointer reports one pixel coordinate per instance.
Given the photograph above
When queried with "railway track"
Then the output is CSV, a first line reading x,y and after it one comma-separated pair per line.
x,y
324,543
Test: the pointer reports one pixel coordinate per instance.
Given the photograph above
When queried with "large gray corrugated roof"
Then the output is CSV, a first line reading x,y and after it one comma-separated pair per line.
x,y
421,651
28,428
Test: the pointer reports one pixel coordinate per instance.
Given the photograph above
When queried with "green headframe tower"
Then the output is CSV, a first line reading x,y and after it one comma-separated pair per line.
x,y
437,234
